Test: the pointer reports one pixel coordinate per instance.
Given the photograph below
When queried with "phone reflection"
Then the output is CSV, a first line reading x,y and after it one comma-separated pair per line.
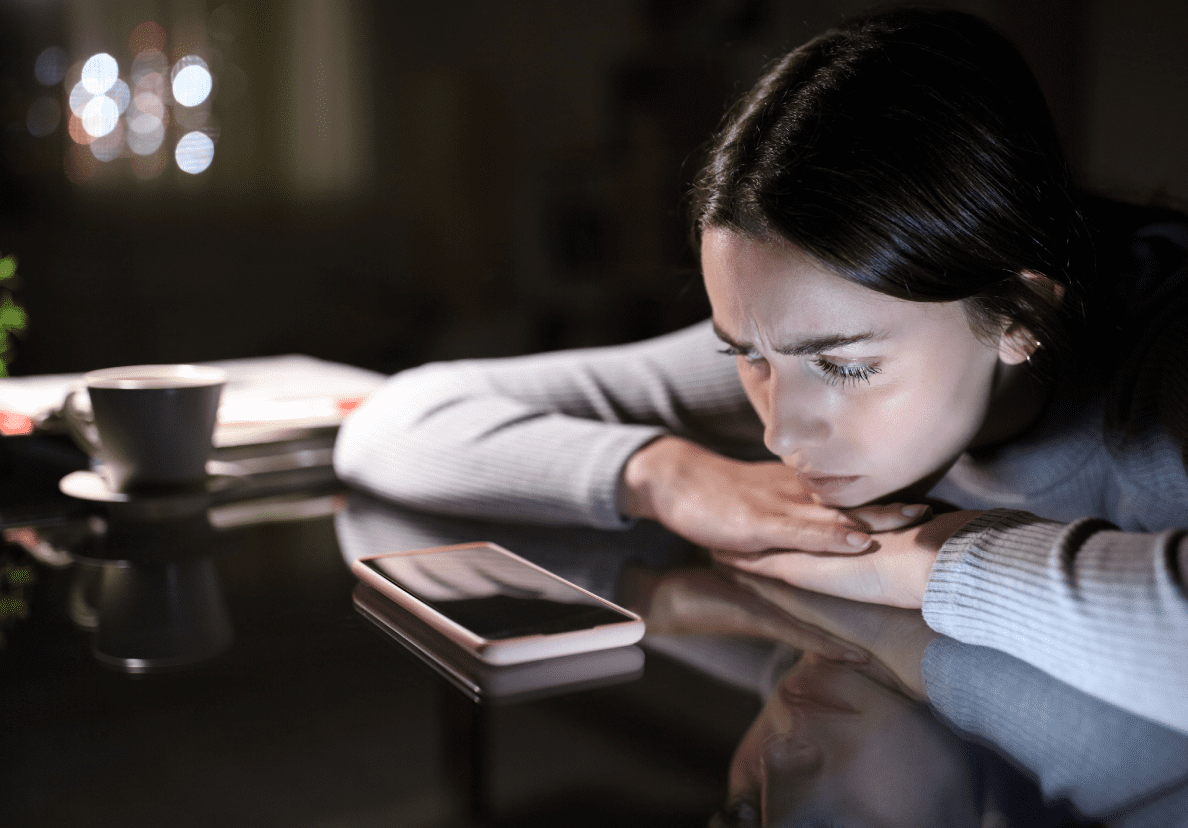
x,y
489,684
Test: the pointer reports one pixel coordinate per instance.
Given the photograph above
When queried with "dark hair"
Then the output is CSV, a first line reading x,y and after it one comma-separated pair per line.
x,y
913,153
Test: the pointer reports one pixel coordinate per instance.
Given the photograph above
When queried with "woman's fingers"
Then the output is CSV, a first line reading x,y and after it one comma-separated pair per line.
x,y
755,528
750,508
753,521
892,517
832,532
815,528
842,575
702,601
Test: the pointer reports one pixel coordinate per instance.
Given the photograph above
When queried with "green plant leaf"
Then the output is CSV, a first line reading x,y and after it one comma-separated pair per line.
x,y
7,267
20,576
12,315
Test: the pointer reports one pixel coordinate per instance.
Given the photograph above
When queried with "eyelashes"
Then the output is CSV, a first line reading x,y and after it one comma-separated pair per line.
x,y
833,373
852,373
749,354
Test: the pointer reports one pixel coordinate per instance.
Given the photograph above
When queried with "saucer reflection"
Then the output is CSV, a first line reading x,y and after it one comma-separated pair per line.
x,y
152,595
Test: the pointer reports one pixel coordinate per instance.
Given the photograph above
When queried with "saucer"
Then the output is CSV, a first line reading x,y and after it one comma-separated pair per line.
x,y
91,485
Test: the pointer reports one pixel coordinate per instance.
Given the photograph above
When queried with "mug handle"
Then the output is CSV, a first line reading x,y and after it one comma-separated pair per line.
x,y
82,428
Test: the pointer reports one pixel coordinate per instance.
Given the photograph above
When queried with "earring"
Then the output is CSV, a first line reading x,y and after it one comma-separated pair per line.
x,y
1036,345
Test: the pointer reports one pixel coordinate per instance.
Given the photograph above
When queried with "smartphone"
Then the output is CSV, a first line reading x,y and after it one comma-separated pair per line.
x,y
487,683
498,606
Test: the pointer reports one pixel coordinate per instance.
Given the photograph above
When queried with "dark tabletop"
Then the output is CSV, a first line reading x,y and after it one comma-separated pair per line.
x,y
213,666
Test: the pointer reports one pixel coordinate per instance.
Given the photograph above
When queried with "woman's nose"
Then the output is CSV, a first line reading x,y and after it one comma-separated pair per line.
x,y
793,420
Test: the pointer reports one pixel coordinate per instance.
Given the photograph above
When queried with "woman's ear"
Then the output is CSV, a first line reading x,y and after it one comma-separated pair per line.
x,y
1017,343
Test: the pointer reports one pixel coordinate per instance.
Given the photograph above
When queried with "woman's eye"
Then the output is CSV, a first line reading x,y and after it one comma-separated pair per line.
x,y
842,373
749,354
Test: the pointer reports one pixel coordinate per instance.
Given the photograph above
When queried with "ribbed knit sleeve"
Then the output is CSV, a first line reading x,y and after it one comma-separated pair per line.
x,y
540,438
1109,764
1102,610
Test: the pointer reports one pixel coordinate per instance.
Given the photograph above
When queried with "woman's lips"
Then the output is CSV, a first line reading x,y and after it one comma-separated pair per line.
x,y
829,483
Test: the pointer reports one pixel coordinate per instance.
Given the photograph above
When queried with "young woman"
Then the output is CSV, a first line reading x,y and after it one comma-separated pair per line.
x,y
912,300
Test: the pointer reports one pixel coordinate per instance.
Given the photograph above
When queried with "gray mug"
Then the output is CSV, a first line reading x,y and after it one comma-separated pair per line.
x,y
153,424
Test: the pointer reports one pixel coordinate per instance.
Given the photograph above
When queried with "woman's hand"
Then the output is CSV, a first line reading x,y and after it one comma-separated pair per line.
x,y
700,600
896,638
894,571
745,508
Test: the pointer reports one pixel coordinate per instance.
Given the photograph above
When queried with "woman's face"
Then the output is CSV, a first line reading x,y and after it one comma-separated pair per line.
x,y
833,742
863,393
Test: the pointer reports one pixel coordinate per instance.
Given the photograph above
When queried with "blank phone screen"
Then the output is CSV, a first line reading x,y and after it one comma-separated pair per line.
x,y
493,595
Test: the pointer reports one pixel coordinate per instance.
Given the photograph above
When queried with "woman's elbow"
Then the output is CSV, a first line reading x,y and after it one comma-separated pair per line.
x,y
386,432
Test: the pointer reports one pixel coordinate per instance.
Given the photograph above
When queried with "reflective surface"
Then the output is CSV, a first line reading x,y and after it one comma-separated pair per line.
x,y
221,665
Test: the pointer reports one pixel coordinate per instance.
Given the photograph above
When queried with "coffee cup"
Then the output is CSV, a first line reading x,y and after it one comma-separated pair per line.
x,y
152,424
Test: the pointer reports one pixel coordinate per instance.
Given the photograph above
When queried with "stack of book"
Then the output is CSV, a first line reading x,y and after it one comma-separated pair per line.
x,y
278,418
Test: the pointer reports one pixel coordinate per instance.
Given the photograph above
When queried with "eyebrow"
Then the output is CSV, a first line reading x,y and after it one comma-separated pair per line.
x,y
809,346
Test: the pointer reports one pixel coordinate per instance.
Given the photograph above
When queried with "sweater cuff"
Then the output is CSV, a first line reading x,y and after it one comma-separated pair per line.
x,y
983,571
605,474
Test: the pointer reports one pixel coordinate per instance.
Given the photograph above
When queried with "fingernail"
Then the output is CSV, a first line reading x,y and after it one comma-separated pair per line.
x,y
913,511
857,540
850,655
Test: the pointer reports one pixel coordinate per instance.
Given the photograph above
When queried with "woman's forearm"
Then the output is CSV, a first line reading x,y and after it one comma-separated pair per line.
x,y
541,438
1103,610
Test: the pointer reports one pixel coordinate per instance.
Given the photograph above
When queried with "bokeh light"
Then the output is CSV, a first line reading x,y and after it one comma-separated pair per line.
x,y
110,146
147,142
99,73
43,117
149,62
194,153
150,96
121,94
192,81
73,74
79,98
148,35
50,66
77,133
108,116
146,113
100,116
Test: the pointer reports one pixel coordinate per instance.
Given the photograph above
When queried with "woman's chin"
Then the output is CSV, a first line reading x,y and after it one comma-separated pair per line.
x,y
916,492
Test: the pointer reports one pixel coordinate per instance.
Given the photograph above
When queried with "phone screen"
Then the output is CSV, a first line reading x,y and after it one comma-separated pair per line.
x,y
494,595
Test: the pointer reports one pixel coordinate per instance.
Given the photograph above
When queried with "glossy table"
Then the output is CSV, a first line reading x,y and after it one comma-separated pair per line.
x,y
216,665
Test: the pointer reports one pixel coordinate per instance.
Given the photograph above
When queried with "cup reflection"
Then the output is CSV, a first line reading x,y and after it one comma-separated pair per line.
x,y
157,598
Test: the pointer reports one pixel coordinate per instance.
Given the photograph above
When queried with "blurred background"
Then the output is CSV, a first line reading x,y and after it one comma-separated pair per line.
x,y
384,182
